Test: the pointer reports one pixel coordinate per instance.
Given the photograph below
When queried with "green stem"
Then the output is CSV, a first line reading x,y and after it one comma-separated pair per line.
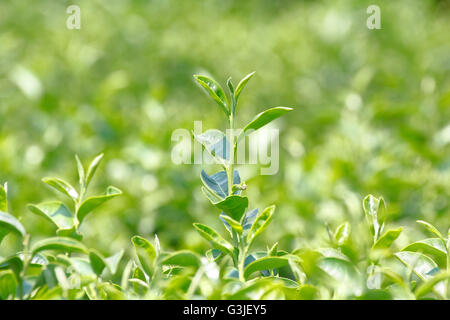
x,y
242,256
230,171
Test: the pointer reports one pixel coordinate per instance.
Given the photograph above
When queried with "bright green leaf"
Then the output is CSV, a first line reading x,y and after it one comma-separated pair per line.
x,y
266,263
54,211
241,85
432,229
233,205
81,174
62,186
215,91
262,119
3,198
146,254
97,261
92,168
260,224
214,238
8,223
386,240
420,264
8,285
182,258
342,233
93,202
59,244
112,262
231,222
432,247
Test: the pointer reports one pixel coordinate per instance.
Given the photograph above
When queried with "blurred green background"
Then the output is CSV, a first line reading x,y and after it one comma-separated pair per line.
x,y
372,110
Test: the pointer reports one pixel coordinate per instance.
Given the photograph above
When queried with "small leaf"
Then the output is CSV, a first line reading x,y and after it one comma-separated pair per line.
x,y
13,263
234,206
182,258
375,211
230,86
81,174
218,182
217,144
214,254
54,211
3,198
342,233
62,186
261,223
8,223
97,261
146,254
386,240
420,264
262,119
340,270
231,222
92,168
215,91
112,262
93,202
273,250
249,219
59,244
432,229
432,247
111,291
8,285
70,233
428,285
214,238
266,263
241,85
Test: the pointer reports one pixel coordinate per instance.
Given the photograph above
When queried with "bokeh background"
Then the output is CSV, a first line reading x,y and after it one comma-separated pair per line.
x,y
372,111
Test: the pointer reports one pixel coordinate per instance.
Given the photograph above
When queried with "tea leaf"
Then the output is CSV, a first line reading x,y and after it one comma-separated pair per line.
x,y
146,254
214,238
261,223
62,186
92,168
432,229
215,91
386,240
241,85
9,223
112,262
266,263
231,222
182,258
97,261
216,143
8,285
93,202
262,119
59,244
420,264
55,212
218,182
432,247
3,199
342,233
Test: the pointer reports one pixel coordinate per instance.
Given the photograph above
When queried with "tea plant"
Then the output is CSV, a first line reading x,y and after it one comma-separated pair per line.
x,y
59,266
359,260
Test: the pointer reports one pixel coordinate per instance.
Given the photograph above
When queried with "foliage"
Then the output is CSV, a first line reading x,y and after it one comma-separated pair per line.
x,y
64,267
371,117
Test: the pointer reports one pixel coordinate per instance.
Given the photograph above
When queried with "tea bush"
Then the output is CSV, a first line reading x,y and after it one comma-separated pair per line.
x,y
359,261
